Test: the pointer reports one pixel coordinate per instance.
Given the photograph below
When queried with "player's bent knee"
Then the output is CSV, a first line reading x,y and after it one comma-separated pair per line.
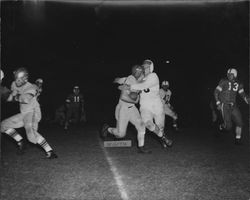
x,y
150,125
4,126
140,127
121,135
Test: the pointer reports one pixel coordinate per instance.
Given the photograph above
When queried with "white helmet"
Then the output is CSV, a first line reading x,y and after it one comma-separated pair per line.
x,y
165,83
21,76
2,75
39,80
148,63
232,71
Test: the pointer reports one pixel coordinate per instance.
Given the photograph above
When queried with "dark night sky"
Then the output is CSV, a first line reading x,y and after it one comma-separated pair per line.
x,y
70,44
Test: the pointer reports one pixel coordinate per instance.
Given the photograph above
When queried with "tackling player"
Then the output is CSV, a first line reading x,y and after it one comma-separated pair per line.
x,y
126,111
151,107
225,96
30,114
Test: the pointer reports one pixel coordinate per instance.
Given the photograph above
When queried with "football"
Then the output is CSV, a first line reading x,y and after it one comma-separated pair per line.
x,y
133,95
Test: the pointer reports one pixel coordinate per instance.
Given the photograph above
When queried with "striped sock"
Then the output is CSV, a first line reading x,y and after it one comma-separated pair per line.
x,y
14,134
238,132
44,144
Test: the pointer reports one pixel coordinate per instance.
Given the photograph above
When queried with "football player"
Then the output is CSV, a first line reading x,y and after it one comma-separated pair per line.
x,y
30,114
225,96
39,83
75,111
60,114
165,94
126,111
4,91
151,107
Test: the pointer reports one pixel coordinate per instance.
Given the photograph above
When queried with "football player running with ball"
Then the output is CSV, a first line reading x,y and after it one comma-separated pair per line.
x,y
126,111
225,96
25,93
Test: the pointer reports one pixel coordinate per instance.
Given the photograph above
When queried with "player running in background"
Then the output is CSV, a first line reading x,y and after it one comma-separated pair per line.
x,y
30,114
165,94
39,84
60,113
126,111
225,96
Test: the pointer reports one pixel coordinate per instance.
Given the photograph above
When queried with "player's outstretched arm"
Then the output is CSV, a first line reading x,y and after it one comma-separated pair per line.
x,y
120,80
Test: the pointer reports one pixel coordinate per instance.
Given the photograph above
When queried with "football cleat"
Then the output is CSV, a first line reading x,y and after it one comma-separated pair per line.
x,y
175,127
21,148
238,141
166,142
104,131
51,155
221,127
143,150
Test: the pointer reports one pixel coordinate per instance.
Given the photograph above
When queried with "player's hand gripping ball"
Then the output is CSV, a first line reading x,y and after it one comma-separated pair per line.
x,y
133,95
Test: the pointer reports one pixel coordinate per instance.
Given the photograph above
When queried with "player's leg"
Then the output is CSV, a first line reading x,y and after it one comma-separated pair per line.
x,y
148,117
227,116
121,123
104,131
136,120
8,127
31,121
61,118
168,111
78,115
75,115
69,112
237,119
159,118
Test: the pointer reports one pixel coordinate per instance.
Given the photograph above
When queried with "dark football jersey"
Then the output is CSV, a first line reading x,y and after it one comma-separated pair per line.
x,y
75,98
226,91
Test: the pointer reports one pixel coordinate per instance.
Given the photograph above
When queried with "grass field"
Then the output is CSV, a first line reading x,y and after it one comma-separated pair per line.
x,y
199,166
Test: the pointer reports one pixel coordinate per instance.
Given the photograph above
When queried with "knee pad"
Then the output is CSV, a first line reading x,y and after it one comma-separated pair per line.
x,y
121,135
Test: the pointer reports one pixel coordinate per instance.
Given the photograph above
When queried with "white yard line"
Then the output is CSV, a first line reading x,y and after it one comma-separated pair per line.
x,y
116,174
